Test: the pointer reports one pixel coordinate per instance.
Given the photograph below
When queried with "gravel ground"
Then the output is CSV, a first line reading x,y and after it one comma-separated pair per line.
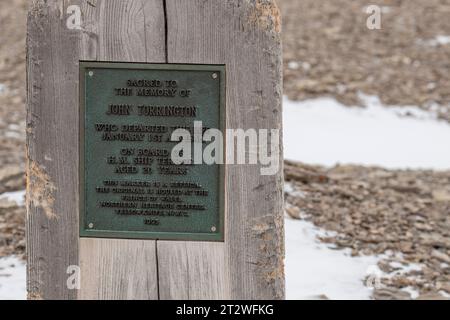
x,y
374,211
12,124
328,50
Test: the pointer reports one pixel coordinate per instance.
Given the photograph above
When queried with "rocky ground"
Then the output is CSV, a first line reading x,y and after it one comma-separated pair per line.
x,y
377,211
12,124
327,51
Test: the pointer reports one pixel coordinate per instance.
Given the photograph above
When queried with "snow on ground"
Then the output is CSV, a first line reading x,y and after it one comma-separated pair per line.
x,y
314,269
12,269
323,131
439,40
12,279
17,196
2,88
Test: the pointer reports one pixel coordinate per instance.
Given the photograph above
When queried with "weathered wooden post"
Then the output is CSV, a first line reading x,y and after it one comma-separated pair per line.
x,y
109,215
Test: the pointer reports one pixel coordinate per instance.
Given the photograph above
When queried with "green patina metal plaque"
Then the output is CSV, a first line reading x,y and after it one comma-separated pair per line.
x,y
129,185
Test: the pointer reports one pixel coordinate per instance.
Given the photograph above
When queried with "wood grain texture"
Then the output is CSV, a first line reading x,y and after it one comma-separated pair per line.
x,y
126,31
114,269
244,35
111,30
52,183
192,270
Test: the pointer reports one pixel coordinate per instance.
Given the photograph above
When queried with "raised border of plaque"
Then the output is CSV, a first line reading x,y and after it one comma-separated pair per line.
x,y
96,220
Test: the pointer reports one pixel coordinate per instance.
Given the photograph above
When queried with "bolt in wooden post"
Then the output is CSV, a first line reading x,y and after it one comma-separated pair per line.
x,y
242,35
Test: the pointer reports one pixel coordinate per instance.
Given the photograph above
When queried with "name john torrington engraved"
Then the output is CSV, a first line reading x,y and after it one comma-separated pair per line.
x,y
130,188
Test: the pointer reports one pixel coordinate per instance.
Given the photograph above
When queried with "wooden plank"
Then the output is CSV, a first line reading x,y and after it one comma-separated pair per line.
x,y
134,31
112,30
192,270
244,35
116,269
123,30
52,169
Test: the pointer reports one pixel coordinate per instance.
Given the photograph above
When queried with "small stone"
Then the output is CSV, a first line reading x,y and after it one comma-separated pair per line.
x,y
390,294
431,296
293,212
440,256
12,178
7,205
441,195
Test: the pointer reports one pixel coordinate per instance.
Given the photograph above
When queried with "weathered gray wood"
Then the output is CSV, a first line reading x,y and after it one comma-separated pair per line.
x,y
115,269
244,35
112,30
193,270
121,31
52,161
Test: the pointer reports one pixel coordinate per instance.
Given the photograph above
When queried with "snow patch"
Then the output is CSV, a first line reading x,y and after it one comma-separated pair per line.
x,y
404,268
412,292
295,192
323,131
439,40
444,294
293,65
12,279
13,135
315,271
16,196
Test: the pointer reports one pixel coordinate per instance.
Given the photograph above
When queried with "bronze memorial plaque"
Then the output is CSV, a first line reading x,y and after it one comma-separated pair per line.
x,y
130,186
